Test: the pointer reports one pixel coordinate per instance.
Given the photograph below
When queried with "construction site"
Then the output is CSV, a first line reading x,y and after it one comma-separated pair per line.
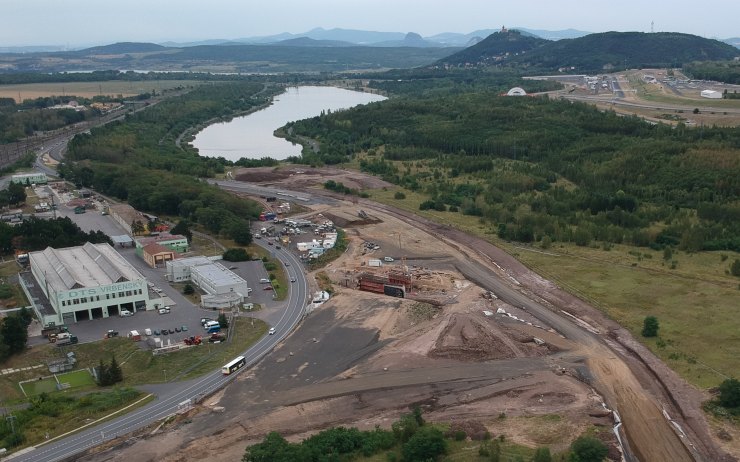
x,y
422,314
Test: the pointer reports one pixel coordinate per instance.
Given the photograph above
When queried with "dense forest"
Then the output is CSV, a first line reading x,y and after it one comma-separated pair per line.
x,y
137,160
541,170
591,53
721,71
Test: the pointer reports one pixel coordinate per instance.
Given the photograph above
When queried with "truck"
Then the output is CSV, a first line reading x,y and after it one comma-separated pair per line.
x,y
72,339
52,330
213,329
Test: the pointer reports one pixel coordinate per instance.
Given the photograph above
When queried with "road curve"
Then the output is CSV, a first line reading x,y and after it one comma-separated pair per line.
x,y
166,402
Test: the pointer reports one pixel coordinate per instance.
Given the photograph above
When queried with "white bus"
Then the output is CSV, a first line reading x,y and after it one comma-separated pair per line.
x,y
235,364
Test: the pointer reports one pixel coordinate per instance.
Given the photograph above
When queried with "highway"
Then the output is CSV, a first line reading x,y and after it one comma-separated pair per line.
x,y
168,397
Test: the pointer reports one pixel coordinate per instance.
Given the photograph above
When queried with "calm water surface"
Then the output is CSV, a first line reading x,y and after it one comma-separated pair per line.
x,y
252,136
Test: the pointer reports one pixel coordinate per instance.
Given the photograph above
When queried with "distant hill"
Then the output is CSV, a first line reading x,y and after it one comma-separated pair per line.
x,y
309,42
495,48
411,39
734,41
615,50
121,48
554,34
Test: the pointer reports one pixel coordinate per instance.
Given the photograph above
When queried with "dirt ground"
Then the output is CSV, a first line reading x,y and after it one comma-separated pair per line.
x,y
519,368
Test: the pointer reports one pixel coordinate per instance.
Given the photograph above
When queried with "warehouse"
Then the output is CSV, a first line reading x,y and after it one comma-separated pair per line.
x,y
81,283
29,178
211,277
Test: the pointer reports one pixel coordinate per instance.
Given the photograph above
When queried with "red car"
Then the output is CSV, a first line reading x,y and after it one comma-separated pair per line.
x,y
268,287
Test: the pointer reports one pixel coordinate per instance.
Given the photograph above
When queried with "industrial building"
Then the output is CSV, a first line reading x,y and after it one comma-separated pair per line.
x,y
174,242
711,94
91,281
223,288
29,178
126,216
156,255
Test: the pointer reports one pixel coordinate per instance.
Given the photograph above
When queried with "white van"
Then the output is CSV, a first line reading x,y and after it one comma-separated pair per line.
x,y
265,281
210,324
125,313
164,310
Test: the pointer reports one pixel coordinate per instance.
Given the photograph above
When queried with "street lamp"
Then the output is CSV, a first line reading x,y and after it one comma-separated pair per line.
x,y
165,374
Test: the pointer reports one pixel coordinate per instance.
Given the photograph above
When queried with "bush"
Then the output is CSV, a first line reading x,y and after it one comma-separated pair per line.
x,y
650,327
399,195
588,449
236,254
729,393
426,444
188,289
542,455
735,268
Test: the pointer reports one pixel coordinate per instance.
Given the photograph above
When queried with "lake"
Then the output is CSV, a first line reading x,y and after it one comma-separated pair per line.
x,y
251,136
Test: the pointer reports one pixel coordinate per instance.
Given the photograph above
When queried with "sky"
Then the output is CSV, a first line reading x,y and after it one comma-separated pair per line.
x,y
75,23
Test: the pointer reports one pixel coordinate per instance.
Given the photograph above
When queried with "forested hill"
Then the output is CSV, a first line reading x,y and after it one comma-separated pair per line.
x,y
631,49
122,47
595,52
495,48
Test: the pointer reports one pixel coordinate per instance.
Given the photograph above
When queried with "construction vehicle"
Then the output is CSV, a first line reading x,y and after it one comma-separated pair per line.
x,y
111,333
193,340
72,339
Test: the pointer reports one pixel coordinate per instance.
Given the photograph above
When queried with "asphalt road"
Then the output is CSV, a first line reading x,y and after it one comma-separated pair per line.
x,y
168,397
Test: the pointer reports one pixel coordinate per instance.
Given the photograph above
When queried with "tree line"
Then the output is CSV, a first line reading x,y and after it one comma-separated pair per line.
x,y
536,168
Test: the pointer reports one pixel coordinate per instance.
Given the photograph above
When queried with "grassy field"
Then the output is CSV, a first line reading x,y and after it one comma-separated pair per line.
x,y
89,89
139,366
695,302
76,380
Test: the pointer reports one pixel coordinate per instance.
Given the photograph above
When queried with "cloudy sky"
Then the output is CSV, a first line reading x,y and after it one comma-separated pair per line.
x,y
86,22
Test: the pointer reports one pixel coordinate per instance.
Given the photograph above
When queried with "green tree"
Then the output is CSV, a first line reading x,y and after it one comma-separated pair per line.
x,y
26,316
588,449
274,448
188,289
183,228
223,321
103,375
16,193
137,227
426,444
405,428
495,451
729,393
735,268
240,232
236,254
115,373
650,327
542,455
14,333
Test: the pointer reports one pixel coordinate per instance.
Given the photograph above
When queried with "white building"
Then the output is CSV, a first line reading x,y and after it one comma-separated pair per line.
x,y
222,287
516,91
81,283
711,94
29,178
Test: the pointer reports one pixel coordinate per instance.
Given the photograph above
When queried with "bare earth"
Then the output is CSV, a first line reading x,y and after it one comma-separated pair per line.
x,y
363,359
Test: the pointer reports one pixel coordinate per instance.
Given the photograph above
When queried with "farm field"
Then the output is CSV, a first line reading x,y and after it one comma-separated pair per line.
x,y
89,89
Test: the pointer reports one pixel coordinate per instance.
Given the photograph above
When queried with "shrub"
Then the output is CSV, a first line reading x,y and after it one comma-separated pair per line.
x,y
650,327
729,393
588,449
426,444
236,254
399,195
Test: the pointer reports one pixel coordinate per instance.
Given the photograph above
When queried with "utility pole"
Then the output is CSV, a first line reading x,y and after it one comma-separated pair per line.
x,y
11,419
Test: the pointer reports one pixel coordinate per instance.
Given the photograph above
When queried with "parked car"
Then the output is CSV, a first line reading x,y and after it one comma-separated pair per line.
x,y
111,333
268,287
157,332
164,331
125,313
269,242
184,328
203,321
177,329
172,331
271,331
164,310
